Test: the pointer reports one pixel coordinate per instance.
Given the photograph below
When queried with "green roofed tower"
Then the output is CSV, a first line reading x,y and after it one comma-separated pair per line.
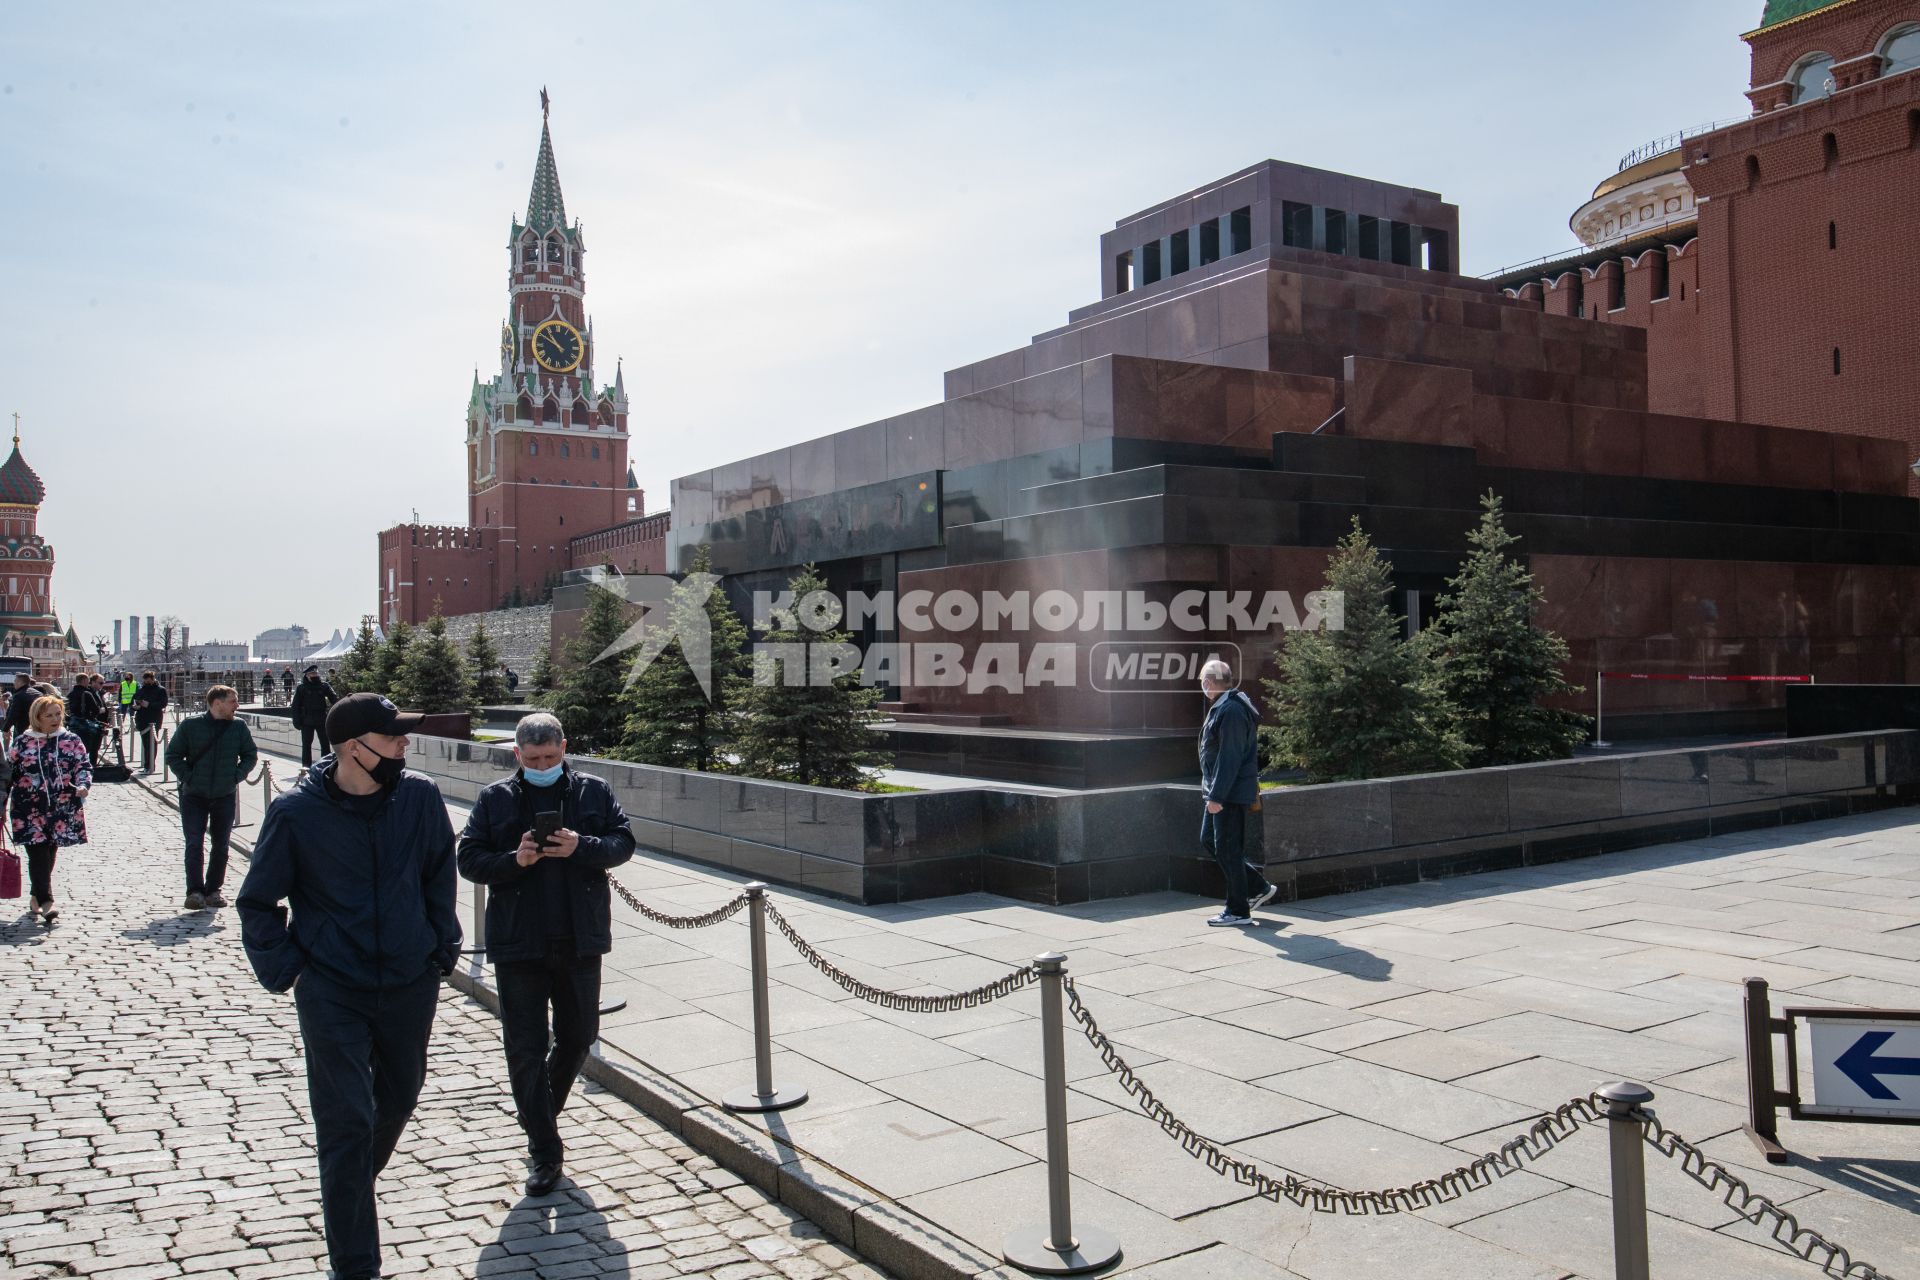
x,y
1779,11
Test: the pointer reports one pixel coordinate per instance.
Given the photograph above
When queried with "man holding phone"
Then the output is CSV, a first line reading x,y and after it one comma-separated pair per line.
x,y
542,841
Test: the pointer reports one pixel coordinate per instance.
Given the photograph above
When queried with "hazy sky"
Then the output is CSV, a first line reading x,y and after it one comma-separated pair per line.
x,y
254,251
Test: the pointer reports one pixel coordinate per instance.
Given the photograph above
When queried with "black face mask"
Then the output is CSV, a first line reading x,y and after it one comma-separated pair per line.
x,y
387,771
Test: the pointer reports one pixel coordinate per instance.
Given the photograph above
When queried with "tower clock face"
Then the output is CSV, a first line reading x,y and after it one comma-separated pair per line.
x,y
557,346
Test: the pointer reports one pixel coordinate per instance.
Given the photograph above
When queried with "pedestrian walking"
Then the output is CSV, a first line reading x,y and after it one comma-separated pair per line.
x,y
47,799
1229,786
211,754
19,704
87,715
542,840
149,710
309,704
270,690
363,851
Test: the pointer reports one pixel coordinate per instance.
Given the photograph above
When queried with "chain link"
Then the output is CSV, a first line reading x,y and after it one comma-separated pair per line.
x,y
1754,1207
1547,1133
679,922
1007,985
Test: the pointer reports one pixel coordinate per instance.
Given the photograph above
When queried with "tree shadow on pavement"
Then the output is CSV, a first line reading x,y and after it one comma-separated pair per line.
x,y
171,931
541,1236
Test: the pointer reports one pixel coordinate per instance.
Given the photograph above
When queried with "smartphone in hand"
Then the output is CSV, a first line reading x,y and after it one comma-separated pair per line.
x,y
544,825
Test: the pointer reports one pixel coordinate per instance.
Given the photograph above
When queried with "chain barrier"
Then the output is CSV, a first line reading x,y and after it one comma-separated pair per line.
x,y
679,922
1546,1134
1754,1207
1012,982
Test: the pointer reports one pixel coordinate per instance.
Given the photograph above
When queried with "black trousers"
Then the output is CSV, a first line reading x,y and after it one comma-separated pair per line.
x,y
307,735
200,817
1225,834
149,739
366,1061
40,870
569,985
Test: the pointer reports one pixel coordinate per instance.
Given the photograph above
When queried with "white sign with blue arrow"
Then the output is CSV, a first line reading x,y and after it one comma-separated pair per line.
x,y
1865,1066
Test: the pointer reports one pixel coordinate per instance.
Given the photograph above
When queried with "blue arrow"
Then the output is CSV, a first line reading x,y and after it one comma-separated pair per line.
x,y
1860,1066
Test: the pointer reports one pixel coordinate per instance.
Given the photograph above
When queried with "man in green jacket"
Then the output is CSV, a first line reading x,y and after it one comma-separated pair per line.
x,y
211,754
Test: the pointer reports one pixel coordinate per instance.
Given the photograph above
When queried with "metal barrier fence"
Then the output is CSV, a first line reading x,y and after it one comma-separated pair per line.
x,y
1061,1247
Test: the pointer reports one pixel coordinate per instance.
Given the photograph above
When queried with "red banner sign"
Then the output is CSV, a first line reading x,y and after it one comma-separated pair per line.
x,y
1640,675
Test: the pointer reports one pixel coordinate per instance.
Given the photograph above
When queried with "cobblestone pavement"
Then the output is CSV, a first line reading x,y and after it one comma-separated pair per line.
x,y
153,1118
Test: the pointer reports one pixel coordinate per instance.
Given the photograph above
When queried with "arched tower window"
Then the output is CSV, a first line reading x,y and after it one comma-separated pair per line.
x,y
564,451
550,411
533,448
556,252
1829,152
1812,77
1901,50
1753,173
526,409
582,414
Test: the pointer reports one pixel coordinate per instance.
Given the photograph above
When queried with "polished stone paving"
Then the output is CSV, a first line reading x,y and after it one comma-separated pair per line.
x,y
1368,1040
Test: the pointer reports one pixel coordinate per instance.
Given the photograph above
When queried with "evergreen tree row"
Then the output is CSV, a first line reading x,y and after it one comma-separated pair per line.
x,y
423,669
1468,691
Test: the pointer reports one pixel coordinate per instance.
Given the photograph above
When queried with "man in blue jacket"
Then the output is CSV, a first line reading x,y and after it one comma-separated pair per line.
x,y
549,920
363,851
1230,783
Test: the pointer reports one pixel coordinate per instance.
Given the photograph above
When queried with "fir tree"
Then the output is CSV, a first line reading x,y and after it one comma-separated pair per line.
x,y
1494,664
355,672
586,693
433,675
389,662
1359,701
483,666
814,734
540,679
670,719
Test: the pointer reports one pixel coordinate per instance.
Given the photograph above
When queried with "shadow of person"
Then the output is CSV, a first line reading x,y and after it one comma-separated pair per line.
x,y
171,931
545,1234
24,930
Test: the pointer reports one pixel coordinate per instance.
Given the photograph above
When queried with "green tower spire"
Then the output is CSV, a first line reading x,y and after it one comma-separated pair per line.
x,y
546,209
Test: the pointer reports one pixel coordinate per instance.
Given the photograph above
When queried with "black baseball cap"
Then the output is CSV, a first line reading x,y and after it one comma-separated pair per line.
x,y
311,670
359,713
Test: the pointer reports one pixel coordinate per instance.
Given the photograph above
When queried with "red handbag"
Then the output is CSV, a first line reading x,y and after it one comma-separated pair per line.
x,y
9,873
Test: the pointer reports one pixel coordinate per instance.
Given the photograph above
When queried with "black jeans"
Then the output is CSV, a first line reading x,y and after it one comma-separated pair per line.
x,y
149,738
197,815
570,986
307,735
366,1061
1225,834
40,870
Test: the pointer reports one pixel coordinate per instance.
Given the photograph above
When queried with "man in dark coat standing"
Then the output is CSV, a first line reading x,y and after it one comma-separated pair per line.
x,y
310,703
149,712
549,920
363,851
1230,784
211,755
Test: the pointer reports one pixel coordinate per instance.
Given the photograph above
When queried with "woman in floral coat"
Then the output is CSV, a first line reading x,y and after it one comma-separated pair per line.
x,y
51,778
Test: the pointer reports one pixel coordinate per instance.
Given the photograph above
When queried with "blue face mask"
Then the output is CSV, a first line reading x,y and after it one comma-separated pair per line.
x,y
543,777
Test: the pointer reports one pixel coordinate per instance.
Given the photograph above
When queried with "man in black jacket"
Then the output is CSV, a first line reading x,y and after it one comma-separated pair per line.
x,y
549,920
1229,785
19,703
149,711
363,851
309,704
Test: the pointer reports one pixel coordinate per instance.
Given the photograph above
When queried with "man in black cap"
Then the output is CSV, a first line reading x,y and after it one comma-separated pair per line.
x,y
363,851
310,704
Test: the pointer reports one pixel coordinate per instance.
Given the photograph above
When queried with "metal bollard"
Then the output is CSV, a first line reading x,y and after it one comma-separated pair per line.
x,y
1628,1150
478,955
763,1096
1057,1249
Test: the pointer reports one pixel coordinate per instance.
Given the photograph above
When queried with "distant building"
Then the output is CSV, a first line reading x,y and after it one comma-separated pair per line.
x,y
217,654
548,485
282,644
1769,259
28,627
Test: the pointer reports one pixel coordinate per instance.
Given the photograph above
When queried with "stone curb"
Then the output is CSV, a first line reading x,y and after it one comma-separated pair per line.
x,y
874,1226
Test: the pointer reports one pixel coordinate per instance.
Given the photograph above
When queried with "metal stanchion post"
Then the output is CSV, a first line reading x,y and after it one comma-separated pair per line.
x,y
1763,1100
1628,1151
478,955
1057,1249
763,1096
1600,709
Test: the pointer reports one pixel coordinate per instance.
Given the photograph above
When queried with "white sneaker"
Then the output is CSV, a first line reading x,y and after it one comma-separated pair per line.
x,y
1262,899
1225,921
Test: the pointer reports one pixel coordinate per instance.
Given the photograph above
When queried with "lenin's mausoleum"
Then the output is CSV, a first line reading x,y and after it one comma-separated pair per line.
x,y
1702,424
